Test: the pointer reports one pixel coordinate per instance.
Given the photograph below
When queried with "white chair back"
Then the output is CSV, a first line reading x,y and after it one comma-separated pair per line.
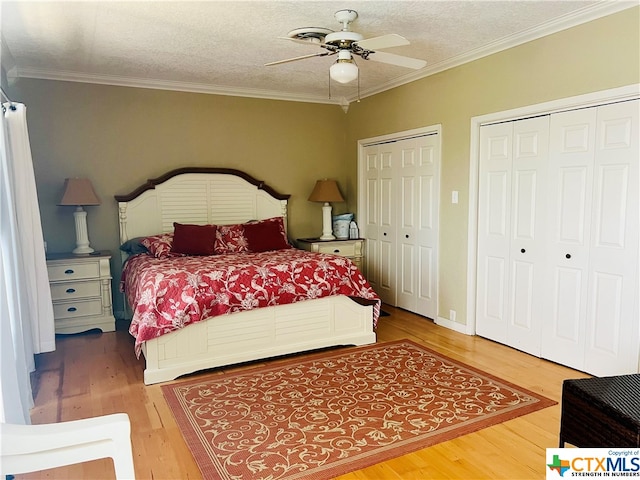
x,y
31,448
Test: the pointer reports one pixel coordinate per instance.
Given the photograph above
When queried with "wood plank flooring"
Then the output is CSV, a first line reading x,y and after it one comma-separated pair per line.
x,y
97,373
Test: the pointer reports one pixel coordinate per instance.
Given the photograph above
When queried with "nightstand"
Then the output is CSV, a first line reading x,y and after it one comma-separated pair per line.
x,y
81,292
351,248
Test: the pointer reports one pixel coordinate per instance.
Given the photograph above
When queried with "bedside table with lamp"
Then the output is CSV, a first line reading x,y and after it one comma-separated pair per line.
x,y
326,191
80,281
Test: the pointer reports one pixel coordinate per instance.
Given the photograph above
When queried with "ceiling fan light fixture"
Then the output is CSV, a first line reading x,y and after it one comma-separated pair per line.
x,y
347,45
344,70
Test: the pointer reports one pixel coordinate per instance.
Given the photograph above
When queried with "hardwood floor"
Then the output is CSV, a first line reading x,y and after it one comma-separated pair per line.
x,y
94,374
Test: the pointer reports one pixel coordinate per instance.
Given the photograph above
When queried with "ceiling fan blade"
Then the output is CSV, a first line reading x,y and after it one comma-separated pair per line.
x,y
398,60
384,41
321,54
304,41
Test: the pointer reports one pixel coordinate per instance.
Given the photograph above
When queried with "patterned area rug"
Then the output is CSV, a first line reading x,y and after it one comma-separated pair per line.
x,y
337,411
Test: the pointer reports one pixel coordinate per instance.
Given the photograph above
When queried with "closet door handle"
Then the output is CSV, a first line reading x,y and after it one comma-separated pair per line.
x,y
522,250
385,234
568,255
406,236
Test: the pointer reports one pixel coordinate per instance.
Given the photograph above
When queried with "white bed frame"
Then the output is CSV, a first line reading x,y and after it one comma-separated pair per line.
x,y
226,196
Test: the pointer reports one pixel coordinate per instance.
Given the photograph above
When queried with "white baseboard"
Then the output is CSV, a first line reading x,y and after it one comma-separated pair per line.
x,y
455,326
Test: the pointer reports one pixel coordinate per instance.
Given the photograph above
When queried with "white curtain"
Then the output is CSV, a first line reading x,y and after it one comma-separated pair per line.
x,y
26,312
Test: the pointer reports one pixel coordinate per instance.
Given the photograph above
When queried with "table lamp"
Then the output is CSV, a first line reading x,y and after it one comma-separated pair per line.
x,y
326,191
80,192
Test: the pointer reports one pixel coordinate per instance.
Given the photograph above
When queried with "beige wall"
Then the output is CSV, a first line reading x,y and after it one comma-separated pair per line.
x,y
596,56
120,136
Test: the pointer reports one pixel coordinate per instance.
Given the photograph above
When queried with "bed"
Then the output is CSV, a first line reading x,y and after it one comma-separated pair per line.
x,y
214,196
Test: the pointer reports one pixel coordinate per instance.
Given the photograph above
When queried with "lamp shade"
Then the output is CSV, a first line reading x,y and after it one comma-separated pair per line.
x,y
79,191
326,191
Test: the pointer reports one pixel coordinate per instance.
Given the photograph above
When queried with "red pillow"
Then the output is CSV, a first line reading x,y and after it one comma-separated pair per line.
x,y
230,239
266,235
193,239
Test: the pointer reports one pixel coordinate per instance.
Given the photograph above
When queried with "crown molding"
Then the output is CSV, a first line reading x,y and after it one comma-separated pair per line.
x,y
579,17
133,82
587,14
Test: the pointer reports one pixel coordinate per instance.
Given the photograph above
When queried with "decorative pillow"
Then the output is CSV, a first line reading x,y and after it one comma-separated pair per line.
x,y
158,245
230,239
266,235
134,246
193,239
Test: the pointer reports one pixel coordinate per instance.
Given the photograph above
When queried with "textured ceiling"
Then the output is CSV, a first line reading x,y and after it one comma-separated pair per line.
x,y
222,46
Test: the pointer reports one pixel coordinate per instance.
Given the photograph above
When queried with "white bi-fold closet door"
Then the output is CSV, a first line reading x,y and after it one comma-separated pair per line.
x,y
400,182
558,237
512,229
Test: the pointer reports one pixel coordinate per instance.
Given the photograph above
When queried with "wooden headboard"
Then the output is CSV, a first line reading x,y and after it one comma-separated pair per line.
x,y
197,196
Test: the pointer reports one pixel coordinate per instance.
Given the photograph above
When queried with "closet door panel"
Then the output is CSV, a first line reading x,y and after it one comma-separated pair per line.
x,y
428,217
426,302
573,207
605,319
387,230
498,196
522,289
494,235
528,231
494,299
611,206
524,204
567,307
407,253
371,227
613,336
406,277
418,228
571,153
408,222
379,221
387,273
371,218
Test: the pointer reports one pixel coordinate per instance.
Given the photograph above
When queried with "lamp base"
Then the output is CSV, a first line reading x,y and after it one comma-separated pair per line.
x,y
82,237
327,228
82,250
327,237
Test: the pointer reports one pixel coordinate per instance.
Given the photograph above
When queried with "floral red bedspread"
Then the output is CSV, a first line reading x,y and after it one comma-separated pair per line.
x,y
169,293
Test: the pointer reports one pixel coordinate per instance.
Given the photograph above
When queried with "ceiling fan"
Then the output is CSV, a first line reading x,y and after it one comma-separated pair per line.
x,y
346,44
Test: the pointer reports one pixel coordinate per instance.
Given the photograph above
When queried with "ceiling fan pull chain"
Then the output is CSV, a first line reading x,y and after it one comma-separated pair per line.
x,y
356,64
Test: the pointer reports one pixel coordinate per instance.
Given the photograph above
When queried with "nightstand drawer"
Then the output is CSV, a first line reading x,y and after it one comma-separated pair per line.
x,y
73,271
72,290
80,308
343,249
